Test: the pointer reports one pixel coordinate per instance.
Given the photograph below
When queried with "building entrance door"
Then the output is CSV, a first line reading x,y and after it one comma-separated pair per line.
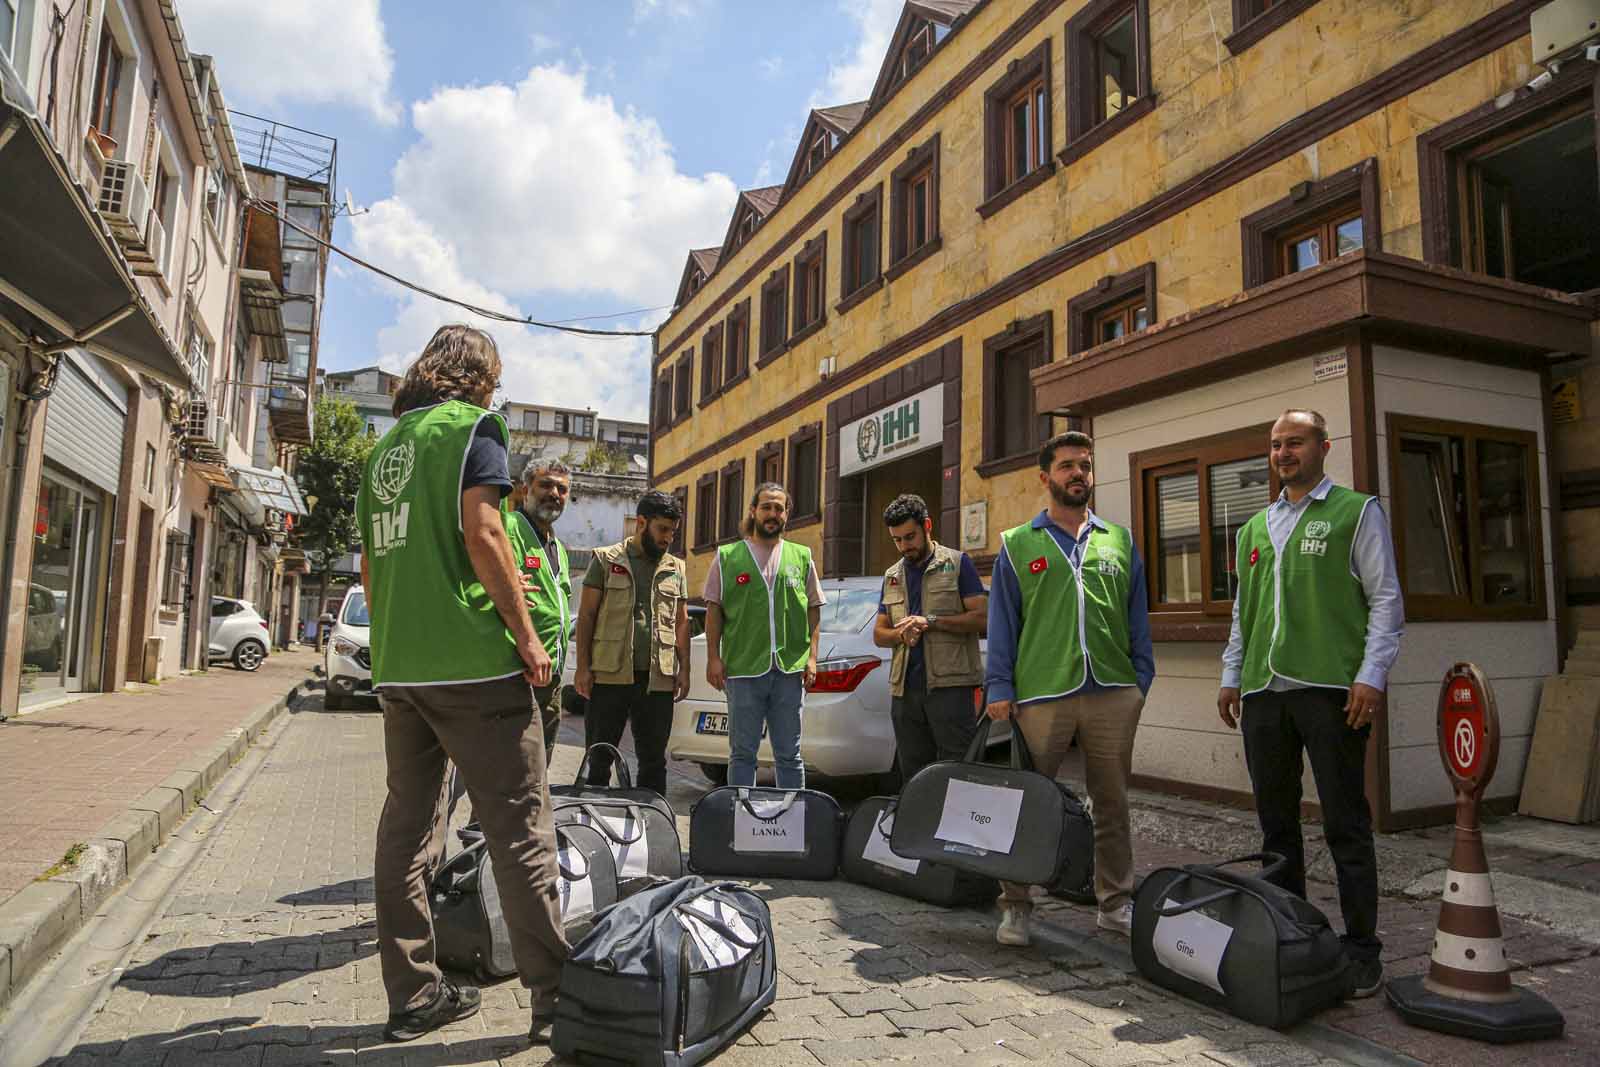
x,y
66,593
920,474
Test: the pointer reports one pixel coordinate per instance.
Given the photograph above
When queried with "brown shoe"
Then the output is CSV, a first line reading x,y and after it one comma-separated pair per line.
x,y
452,1003
544,1016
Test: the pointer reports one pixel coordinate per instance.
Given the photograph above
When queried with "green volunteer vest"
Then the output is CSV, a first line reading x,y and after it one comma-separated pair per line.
x,y
433,622
611,647
1072,621
754,624
949,659
1303,615
548,600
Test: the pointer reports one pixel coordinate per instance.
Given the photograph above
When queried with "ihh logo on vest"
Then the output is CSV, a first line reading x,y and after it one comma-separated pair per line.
x,y
900,429
390,475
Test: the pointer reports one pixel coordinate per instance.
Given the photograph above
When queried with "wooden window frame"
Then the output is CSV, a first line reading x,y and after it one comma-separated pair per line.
x,y
776,343
865,214
1468,608
1307,201
1255,19
1087,126
807,434
664,399
1210,619
1087,307
736,345
921,163
706,518
106,86
683,394
680,539
731,495
1023,74
711,364
814,251
1020,333
772,450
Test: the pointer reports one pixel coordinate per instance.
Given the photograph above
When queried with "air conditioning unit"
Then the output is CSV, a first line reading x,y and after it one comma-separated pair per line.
x,y
157,250
197,427
124,200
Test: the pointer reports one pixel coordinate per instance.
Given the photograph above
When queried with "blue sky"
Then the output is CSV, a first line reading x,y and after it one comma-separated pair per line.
x,y
554,157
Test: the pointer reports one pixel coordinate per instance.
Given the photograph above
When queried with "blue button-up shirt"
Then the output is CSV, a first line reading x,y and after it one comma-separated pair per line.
x,y
1005,615
1371,560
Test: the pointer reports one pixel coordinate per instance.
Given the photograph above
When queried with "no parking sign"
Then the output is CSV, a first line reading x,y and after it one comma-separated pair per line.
x,y
1469,731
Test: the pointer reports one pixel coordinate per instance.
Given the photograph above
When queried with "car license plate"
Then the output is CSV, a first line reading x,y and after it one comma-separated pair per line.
x,y
712,722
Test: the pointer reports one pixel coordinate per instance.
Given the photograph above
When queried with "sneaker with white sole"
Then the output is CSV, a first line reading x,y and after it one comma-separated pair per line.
x,y
1013,926
1117,920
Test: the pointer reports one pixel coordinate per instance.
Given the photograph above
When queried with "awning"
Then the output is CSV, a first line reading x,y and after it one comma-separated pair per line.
x,y
273,488
213,475
62,277
263,313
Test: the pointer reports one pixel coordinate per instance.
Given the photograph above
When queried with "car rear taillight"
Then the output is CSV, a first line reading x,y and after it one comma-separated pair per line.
x,y
263,623
843,675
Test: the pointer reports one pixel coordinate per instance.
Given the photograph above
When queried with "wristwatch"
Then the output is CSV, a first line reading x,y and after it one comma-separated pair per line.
x,y
931,620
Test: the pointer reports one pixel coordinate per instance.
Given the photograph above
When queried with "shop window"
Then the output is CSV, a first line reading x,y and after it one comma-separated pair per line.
x,y
1116,307
1191,501
683,388
1017,132
805,473
736,345
1108,53
862,239
705,511
711,363
1317,222
731,490
810,286
914,205
1466,519
774,314
1012,429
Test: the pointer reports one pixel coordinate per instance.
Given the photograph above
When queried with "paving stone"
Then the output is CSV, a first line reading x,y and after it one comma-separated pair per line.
x,y
943,1017
929,996
876,1000
1278,1054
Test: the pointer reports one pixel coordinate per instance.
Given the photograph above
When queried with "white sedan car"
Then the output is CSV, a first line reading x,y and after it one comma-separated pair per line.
x,y
347,658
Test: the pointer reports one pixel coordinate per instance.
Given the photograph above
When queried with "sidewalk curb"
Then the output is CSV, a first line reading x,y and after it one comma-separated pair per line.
x,y
37,920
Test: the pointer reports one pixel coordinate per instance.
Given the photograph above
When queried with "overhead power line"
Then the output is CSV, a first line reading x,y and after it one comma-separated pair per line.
x,y
488,313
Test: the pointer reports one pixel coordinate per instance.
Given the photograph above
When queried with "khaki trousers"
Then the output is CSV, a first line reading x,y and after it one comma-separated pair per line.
x,y
492,732
1104,723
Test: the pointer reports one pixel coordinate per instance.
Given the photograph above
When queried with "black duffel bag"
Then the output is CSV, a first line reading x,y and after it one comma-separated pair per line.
x,y
868,860
754,832
639,824
667,977
1076,880
1238,942
469,926
1010,823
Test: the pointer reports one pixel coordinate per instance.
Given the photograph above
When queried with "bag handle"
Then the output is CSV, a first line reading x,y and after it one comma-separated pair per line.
x,y
620,765
571,850
789,798
1271,862
606,828
887,812
717,924
1021,758
1198,902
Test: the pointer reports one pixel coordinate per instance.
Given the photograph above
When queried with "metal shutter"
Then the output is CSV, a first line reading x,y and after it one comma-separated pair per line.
x,y
83,425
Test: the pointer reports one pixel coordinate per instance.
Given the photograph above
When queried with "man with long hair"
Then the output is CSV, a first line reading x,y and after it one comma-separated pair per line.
x,y
454,657
763,612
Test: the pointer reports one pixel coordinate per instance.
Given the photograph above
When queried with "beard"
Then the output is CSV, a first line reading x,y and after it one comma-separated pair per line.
x,y
653,550
770,527
1072,495
547,513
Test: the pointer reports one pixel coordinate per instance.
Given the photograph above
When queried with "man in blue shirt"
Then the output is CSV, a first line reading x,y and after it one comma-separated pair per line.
x,y
931,611
1055,669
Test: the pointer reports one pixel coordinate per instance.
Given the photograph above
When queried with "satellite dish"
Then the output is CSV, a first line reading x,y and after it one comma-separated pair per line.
x,y
641,462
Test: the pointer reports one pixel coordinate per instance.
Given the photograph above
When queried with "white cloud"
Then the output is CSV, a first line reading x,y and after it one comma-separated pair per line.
x,y
288,51
678,9
543,42
851,75
771,67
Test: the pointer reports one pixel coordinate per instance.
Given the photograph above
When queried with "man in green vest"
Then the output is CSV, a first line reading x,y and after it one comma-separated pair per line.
x,y
1070,657
542,560
633,641
763,610
931,611
454,654
1317,621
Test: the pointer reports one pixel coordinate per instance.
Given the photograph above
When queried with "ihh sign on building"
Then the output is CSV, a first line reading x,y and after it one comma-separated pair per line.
x,y
893,432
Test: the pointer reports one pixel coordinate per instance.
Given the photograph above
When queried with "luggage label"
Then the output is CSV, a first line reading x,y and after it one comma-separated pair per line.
x,y
715,950
1191,944
633,857
577,894
979,816
770,829
878,851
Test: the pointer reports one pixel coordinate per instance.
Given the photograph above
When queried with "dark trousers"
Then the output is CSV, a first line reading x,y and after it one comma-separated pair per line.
x,y
548,701
1277,727
650,714
932,724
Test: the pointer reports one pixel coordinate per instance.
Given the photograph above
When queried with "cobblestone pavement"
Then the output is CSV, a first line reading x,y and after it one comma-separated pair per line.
x,y
266,956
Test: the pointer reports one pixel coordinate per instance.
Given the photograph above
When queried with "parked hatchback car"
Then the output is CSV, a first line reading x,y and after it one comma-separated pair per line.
x,y
238,634
845,729
347,658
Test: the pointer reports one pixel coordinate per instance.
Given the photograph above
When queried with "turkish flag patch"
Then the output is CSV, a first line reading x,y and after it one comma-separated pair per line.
x,y
531,562
617,568
1039,566
1255,554
894,581
743,579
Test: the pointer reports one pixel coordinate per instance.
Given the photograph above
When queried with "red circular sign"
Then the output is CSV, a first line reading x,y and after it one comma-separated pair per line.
x,y
1469,728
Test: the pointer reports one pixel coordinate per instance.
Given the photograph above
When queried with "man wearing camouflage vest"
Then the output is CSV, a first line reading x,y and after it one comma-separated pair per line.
x,y
931,611
1070,657
633,641
1317,621
546,484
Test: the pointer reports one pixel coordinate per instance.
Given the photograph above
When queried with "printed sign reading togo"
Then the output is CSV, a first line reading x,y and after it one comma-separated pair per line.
x,y
982,816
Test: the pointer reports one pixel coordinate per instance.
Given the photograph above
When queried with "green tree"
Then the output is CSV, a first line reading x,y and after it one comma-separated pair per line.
x,y
605,459
330,470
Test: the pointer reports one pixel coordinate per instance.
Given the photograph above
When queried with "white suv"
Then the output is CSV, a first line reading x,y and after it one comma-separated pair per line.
x,y
348,657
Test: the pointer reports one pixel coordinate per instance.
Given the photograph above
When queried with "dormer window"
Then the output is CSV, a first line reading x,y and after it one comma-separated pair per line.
x,y
823,142
696,280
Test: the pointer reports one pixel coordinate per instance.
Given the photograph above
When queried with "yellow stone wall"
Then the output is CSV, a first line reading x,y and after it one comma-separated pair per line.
x,y
1210,105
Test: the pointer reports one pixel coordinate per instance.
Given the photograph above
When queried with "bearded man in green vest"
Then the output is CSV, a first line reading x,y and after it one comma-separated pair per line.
x,y
542,560
633,641
1317,621
1070,658
454,657
763,611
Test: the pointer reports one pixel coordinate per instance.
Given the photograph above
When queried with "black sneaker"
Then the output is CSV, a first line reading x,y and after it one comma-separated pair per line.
x,y
1366,978
544,1015
452,1002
